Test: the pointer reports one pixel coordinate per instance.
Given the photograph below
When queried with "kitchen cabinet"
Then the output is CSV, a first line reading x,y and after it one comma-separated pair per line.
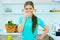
x,y
4,37
15,36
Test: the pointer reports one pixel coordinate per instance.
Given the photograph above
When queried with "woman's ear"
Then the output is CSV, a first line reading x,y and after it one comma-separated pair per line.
x,y
34,10
22,10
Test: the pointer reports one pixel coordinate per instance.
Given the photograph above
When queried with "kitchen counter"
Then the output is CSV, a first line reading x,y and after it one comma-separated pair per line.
x,y
51,34
13,34
19,34
7,36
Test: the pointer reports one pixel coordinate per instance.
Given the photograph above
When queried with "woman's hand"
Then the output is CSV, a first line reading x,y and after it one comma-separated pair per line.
x,y
44,34
20,28
39,37
25,16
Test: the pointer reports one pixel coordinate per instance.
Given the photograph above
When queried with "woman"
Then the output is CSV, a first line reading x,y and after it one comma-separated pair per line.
x,y
28,24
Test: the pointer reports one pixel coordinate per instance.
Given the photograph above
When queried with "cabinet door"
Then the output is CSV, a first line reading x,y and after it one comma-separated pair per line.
x,y
17,38
14,37
2,37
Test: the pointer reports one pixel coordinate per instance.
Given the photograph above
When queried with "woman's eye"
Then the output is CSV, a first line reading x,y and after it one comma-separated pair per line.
x,y
30,8
26,8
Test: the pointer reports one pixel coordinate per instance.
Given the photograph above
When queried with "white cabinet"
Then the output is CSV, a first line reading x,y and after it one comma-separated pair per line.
x,y
2,38
14,38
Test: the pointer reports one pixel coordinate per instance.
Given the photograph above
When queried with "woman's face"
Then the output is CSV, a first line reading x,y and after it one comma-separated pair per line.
x,y
28,10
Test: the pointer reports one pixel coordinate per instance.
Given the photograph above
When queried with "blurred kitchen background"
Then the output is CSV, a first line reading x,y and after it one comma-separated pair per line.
x,y
47,10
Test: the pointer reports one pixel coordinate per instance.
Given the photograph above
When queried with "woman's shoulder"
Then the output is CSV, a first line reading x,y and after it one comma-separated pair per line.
x,y
38,18
21,17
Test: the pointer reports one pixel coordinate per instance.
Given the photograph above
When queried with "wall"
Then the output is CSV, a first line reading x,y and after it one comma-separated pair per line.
x,y
42,11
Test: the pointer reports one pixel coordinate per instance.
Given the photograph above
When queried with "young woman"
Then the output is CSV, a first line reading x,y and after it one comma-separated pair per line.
x,y
28,24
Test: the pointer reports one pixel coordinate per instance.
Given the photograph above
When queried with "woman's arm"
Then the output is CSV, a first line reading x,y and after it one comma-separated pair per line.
x,y
44,34
21,26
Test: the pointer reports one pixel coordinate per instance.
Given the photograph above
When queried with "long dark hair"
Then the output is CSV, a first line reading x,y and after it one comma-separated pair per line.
x,y
34,18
